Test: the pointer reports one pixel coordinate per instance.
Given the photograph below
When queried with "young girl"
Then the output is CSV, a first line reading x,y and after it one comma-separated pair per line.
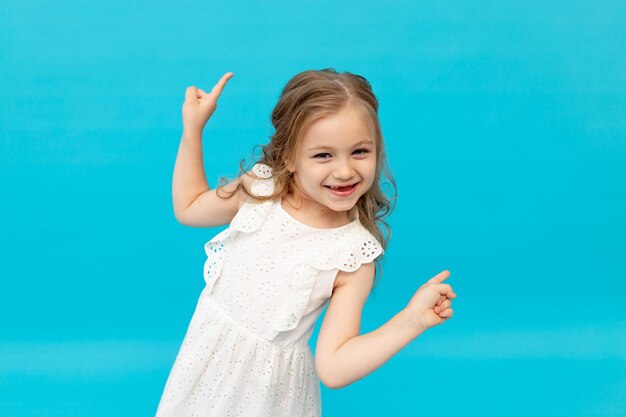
x,y
304,233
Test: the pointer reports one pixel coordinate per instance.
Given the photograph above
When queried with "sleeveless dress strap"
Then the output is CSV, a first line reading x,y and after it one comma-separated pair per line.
x,y
252,214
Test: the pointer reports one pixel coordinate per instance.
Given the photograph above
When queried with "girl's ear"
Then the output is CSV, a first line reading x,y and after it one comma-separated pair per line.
x,y
290,166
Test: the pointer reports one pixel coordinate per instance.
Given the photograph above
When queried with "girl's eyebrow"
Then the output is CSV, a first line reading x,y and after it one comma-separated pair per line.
x,y
363,142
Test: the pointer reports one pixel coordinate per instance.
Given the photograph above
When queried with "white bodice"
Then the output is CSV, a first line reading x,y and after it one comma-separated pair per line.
x,y
273,274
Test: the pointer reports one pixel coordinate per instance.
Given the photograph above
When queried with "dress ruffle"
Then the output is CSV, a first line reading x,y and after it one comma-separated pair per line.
x,y
215,250
264,186
357,248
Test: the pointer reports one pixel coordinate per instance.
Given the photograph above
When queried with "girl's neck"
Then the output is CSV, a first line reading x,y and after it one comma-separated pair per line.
x,y
311,212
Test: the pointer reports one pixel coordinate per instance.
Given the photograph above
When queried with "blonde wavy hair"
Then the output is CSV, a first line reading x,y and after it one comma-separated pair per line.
x,y
306,98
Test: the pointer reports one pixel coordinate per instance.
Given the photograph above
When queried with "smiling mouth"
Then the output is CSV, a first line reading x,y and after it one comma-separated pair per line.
x,y
344,188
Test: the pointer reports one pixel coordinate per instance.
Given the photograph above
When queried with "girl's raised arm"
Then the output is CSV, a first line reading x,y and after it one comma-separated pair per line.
x,y
195,203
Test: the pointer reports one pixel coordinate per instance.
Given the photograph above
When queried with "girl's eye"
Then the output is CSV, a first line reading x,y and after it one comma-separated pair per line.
x,y
322,155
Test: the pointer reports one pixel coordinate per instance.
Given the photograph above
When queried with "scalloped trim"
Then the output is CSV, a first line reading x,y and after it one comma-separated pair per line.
x,y
356,250
266,185
262,170
215,250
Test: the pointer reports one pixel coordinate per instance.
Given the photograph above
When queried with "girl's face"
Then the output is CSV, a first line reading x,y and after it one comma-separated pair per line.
x,y
337,150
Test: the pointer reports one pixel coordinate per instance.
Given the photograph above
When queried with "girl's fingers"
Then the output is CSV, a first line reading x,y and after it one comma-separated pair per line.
x,y
191,93
447,313
445,290
440,277
217,90
439,308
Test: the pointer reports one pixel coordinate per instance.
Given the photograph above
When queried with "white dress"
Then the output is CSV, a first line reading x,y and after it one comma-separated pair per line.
x,y
268,277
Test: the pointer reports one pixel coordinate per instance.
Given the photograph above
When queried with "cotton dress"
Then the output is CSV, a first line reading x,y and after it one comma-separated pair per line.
x,y
268,277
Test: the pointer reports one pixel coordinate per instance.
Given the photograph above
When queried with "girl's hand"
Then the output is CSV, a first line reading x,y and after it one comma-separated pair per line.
x,y
430,305
199,106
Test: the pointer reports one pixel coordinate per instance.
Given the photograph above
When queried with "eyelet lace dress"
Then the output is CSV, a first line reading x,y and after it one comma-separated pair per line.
x,y
268,277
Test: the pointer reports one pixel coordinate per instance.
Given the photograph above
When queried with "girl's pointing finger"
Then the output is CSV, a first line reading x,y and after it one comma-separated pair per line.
x,y
440,276
221,83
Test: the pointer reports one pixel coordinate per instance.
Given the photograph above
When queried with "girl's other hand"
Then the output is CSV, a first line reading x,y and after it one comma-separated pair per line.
x,y
199,105
431,303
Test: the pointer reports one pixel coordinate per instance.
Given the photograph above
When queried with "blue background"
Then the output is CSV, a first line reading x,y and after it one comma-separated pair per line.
x,y
505,127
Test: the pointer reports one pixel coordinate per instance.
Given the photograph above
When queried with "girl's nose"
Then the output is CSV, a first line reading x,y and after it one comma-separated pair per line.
x,y
344,170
